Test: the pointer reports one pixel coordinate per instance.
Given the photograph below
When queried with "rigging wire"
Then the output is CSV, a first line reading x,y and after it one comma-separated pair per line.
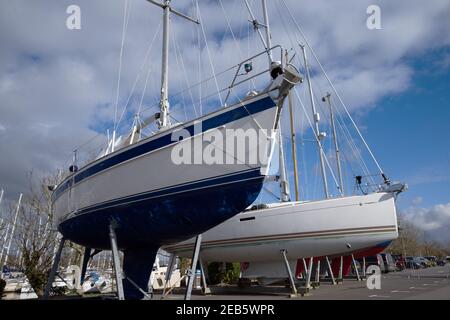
x,y
177,60
350,141
124,31
180,63
143,91
238,46
335,91
208,51
256,25
199,65
138,76
317,138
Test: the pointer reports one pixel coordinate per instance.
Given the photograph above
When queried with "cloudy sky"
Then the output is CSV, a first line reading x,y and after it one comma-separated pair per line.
x,y
58,87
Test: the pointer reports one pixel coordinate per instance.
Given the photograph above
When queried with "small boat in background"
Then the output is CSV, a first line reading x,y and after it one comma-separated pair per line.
x,y
158,277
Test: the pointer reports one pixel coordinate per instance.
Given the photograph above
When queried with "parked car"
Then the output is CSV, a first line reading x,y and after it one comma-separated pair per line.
x,y
400,262
424,262
389,263
441,262
376,260
410,263
432,260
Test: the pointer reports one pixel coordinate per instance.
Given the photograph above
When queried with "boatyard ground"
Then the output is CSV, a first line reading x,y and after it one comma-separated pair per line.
x,y
424,284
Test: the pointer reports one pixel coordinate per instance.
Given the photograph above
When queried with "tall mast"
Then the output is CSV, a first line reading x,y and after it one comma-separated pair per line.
x,y
316,124
336,145
257,25
5,235
5,239
1,199
284,185
164,100
1,219
293,142
267,24
13,229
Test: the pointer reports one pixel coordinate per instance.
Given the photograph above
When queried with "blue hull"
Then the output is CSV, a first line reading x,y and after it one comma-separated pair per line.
x,y
165,219
142,226
147,222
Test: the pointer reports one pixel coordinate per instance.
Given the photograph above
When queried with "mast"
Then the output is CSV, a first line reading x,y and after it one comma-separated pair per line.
x,y
164,120
13,229
316,124
1,198
284,185
5,239
336,145
293,142
256,26
164,102
267,24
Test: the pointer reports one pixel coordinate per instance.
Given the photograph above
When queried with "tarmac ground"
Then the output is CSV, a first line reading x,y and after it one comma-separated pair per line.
x,y
424,284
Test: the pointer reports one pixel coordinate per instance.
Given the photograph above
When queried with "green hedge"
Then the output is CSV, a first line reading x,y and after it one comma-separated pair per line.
x,y
228,276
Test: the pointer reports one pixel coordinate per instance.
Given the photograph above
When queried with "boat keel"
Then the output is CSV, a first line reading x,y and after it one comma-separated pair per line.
x,y
137,267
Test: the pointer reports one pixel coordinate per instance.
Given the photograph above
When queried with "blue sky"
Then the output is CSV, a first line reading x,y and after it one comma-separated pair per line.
x,y
410,132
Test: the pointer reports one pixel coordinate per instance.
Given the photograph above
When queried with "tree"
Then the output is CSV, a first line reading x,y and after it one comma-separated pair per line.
x,y
408,241
36,236
412,242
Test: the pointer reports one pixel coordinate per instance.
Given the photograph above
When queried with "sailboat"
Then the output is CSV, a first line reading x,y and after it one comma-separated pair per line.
x,y
333,227
148,198
267,235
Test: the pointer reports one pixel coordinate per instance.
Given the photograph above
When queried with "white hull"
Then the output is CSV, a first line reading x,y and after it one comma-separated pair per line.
x,y
158,279
309,229
155,170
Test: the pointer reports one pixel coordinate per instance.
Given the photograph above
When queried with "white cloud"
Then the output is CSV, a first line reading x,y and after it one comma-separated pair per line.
x,y
417,200
434,221
57,86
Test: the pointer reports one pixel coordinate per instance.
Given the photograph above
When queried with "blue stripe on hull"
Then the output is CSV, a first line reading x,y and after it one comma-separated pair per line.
x,y
384,244
165,219
203,183
165,140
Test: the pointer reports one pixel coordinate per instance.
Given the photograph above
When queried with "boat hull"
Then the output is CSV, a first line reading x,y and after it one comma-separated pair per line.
x,y
159,220
153,199
310,229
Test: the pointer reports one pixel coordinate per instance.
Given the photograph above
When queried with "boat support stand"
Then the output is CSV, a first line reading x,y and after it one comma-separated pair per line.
x,y
116,262
308,271
204,271
191,272
330,270
168,275
54,270
340,277
358,277
364,268
294,292
88,255
316,283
